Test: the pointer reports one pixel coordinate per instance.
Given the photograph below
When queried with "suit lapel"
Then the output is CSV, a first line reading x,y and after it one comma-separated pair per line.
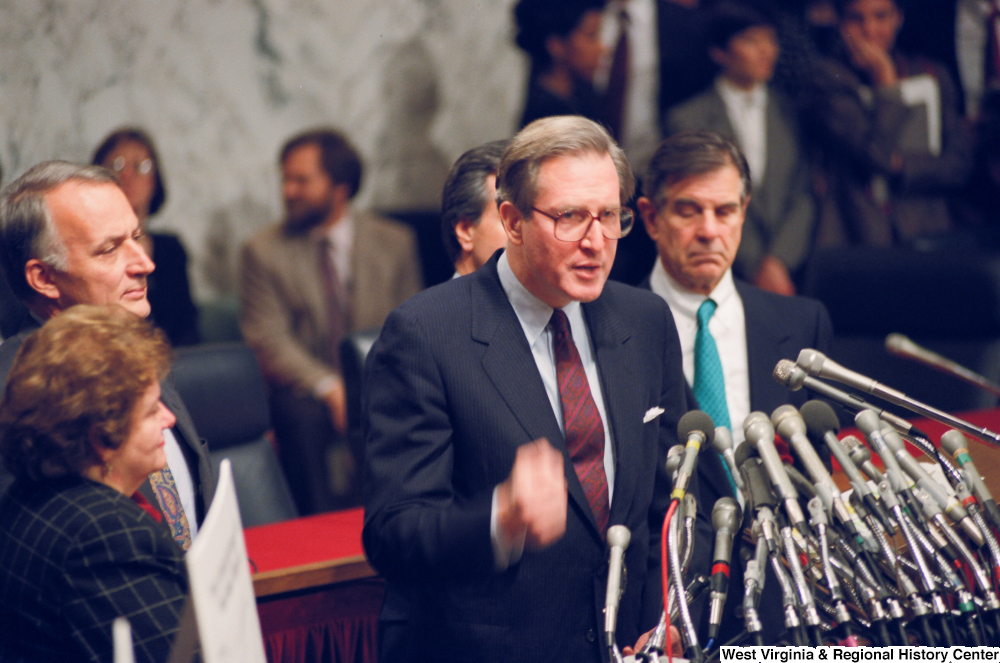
x,y
766,344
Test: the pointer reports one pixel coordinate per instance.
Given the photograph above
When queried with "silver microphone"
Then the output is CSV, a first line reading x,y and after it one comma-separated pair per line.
x,y
618,539
817,364
723,444
760,435
726,517
954,443
902,346
695,429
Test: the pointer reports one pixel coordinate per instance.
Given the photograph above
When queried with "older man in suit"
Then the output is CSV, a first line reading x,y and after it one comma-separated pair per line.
x,y
325,271
731,334
778,231
492,473
69,236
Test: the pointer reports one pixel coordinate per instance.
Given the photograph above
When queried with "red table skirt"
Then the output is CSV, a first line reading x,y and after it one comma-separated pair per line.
x,y
337,624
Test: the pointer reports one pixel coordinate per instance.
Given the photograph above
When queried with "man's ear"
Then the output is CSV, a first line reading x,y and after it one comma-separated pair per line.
x,y
513,222
556,47
647,210
718,56
40,277
463,232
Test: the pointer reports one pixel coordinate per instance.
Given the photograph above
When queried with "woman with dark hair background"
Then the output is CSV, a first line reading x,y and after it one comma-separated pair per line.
x,y
130,154
563,40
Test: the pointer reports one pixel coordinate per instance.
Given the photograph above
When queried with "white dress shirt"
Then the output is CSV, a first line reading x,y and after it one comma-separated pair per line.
x,y
747,112
728,328
534,316
182,478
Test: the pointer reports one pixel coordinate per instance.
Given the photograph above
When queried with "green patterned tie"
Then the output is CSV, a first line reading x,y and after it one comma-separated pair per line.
x,y
709,382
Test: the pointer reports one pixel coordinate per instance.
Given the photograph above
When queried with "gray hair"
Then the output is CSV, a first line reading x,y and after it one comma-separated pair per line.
x,y
26,228
550,137
464,194
693,153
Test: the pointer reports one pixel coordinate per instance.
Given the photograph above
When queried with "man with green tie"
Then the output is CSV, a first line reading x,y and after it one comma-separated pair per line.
x,y
731,334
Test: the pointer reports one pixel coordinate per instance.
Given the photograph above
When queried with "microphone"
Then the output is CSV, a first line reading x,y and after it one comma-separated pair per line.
x,y
726,517
954,443
822,424
674,457
944,500
788,374
697,429
791,426
759,493
723,445
902,346
861,456
760,434
817,364
618,539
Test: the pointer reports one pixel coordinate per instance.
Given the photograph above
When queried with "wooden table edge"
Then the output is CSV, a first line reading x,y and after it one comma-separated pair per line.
x,y
316,574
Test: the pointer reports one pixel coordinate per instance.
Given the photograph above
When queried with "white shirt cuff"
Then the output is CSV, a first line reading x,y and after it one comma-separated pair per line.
x,y
326,385
505,552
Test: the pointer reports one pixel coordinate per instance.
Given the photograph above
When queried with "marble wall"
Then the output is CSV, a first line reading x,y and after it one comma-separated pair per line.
x,y
220,84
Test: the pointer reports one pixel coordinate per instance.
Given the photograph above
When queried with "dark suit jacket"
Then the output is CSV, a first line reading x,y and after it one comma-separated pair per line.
x,y
195,449
451,391
74,555
781,216
777,327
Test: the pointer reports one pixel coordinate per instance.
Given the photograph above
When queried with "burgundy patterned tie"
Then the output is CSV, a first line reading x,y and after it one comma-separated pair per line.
x,y
581,420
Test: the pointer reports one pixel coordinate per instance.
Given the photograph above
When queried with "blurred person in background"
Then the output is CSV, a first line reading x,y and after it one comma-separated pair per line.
x,y
470,220
563,40
743,106
891,126
130,154
81,427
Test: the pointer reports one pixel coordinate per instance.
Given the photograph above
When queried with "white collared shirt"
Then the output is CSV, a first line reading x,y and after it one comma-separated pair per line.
x,y
728,328
747,112
341,236
182,478
534,316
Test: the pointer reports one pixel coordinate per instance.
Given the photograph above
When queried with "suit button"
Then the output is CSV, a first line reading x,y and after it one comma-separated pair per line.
x,y
591,635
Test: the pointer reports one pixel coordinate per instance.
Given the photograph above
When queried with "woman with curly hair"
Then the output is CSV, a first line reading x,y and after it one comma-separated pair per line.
x,y
81,427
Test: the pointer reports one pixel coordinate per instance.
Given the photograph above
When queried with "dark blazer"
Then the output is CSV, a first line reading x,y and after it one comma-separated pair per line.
x,y
170,301
782,213
777,328
195,449
451,391
74,555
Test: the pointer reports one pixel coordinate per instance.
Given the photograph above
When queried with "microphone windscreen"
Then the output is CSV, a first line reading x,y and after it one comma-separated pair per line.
x,y
819,418
696,420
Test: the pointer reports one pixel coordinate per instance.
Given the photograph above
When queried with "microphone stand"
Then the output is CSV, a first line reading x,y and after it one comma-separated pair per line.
x,y
819,521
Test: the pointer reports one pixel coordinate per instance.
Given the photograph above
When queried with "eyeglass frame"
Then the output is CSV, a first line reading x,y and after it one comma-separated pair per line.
x,y
144,167
624,212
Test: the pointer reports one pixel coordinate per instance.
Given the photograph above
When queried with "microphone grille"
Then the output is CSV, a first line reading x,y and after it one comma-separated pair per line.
x,y
897,343
783,371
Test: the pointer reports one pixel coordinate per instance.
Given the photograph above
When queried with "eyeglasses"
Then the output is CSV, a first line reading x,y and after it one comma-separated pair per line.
x,y
574,224
144,167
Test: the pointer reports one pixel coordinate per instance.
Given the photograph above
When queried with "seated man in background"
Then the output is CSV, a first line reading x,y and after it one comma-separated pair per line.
x,y
323,272
731,334
470,221
892,130
778,231
68,235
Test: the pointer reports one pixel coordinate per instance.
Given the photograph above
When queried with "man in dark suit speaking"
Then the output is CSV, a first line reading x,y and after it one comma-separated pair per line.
x,y
514,414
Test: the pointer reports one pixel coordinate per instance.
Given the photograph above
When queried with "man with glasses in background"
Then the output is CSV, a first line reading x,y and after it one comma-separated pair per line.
x,y
515,414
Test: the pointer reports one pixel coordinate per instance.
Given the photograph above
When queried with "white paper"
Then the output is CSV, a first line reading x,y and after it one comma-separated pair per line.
x,y
225,609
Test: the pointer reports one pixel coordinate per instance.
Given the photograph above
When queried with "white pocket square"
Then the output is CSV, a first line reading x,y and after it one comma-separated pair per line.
x,y
652,413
